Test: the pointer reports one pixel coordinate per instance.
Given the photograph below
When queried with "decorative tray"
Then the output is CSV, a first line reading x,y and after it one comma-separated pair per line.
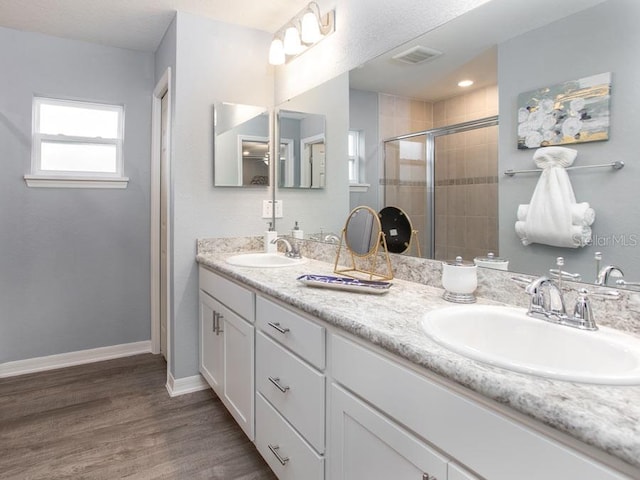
x,y
345,283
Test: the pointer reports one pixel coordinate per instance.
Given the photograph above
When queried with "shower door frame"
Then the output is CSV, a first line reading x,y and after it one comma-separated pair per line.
x,y
430,153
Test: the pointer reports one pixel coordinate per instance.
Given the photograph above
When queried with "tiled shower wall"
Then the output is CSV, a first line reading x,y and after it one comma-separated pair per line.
x,y
466,200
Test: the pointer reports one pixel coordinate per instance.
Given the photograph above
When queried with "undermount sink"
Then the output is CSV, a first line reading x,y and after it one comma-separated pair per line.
x,y
506,337
264,260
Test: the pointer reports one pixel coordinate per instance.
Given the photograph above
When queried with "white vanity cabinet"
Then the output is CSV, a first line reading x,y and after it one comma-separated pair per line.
x,y
227,345
290,392
394,400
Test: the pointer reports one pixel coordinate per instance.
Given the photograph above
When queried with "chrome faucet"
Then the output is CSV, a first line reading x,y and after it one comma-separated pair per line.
x,y
547,303
292,251
606,272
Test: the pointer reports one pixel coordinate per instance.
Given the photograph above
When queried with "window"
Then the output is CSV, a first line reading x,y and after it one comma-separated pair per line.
x,y
76,144
356,162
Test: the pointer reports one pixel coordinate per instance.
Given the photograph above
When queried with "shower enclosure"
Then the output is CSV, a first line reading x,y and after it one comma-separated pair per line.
x,y
446,180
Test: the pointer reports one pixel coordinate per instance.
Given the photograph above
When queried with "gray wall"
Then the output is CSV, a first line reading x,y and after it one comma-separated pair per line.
x,y
74,263
363,116
601,39
214,62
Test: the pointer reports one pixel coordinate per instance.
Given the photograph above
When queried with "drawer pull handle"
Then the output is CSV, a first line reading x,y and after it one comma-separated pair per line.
x,y
218,329
276,382
215,320
274,449
277,326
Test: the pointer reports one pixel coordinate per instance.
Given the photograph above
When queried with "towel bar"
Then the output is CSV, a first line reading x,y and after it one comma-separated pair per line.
x,y
615,165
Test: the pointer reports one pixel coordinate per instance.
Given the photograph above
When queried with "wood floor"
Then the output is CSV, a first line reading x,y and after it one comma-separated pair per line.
x,y
115,419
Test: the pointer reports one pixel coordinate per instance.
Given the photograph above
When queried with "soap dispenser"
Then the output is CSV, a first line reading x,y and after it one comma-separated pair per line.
x,y
459,281
269,237
297,232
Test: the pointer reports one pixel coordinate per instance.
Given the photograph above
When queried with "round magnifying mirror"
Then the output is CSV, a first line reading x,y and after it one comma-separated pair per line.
x,y
362,231
397,228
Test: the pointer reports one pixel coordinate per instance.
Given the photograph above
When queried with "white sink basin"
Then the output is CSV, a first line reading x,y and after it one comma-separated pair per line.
x,y
508,338
264,260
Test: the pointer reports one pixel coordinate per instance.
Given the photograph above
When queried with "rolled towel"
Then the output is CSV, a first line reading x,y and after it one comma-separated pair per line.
x,y
581,235
581,213
520,231
523,209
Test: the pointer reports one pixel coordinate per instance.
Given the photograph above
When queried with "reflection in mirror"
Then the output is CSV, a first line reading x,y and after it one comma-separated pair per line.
x,y
400,99
362,236
398,230
301,163
241,145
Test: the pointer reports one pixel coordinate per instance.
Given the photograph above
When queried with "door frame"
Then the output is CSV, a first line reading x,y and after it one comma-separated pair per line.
x,y
163,87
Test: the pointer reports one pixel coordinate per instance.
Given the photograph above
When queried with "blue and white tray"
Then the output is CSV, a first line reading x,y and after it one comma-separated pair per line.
x,y
345,283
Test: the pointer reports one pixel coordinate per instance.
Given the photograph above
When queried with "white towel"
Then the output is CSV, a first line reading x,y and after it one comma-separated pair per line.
x,y
553,217
581,213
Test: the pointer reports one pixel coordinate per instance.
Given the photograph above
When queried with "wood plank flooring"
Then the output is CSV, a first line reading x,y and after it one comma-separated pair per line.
x,y
115,419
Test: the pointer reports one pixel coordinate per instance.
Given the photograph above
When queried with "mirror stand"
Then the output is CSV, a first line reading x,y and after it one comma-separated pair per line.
x,y
365,243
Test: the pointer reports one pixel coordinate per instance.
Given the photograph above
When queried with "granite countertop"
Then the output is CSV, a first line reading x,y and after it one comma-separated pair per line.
x,y
606,417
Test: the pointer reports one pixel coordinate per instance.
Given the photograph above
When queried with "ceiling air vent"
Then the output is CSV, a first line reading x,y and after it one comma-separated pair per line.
x,y
417,55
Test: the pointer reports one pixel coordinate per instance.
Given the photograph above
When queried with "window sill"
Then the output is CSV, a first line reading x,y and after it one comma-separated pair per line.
x,y
359,187
42,181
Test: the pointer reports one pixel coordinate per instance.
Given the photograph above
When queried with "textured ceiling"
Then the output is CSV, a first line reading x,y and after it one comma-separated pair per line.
x,y
136,24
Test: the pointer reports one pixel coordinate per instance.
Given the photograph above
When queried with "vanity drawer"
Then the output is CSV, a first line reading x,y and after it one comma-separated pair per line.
x,y
295,389
301,336
237,298
286,452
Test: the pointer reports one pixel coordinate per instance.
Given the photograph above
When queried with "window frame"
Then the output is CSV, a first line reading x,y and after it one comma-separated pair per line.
x,y
358,162
75,178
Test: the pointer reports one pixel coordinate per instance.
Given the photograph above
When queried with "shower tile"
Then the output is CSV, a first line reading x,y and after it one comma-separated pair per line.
x,y
402,107
476,137
476,103
476,233
440,200
477,200
454,108
476,161
492,234
456,230
417,110
439,114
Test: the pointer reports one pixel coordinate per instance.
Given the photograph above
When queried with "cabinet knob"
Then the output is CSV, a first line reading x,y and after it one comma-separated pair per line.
x,y
277,326
426,476
276,382
274,449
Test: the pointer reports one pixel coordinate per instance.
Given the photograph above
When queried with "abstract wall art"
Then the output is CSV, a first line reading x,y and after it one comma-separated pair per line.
x,y
571,112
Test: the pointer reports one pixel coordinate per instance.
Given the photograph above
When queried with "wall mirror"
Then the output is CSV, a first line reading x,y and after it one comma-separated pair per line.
x,y
363,239
301,162
474,205
241,145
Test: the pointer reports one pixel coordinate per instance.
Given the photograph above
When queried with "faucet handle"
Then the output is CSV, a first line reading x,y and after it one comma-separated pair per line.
x,y
582,313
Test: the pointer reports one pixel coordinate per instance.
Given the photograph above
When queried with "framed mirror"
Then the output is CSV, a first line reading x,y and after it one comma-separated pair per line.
x,y
363,239
241,145
474,200
302,150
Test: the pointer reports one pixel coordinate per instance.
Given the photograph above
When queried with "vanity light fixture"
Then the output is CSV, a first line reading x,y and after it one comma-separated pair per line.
x,y
465,83
300,33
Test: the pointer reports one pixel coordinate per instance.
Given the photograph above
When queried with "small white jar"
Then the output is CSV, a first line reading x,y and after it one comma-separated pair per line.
x,y
459,281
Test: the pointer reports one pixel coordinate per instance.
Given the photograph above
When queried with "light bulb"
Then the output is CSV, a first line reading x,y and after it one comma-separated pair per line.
x,y
276,52
292,45
310,28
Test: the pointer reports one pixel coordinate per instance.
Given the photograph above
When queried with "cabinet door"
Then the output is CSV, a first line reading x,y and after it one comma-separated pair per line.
x,y
211,344
458,473
238,369
365,444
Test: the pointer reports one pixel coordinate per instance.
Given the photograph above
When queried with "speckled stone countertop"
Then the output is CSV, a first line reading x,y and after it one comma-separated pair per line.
x,y
606,417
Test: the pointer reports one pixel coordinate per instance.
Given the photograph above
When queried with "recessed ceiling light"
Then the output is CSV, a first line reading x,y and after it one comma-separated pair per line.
x,y
465,83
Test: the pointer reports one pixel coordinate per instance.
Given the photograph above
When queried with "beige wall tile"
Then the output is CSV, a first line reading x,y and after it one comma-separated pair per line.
x,y
476,233
476,200
456,230
476,161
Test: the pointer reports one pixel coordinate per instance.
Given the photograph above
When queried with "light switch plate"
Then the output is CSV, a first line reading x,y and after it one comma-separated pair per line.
x,y
279,207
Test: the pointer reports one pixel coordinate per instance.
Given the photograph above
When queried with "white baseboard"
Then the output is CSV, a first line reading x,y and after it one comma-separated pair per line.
x,y
40,364
182,386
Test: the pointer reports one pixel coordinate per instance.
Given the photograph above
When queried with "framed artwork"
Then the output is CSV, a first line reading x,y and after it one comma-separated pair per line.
x,y
571,112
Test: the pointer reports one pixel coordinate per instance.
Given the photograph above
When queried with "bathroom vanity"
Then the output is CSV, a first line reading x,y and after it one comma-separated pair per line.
x,y
338,385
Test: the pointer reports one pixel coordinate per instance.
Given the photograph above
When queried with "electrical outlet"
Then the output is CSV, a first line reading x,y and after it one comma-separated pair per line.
x,y
279,213
267,209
